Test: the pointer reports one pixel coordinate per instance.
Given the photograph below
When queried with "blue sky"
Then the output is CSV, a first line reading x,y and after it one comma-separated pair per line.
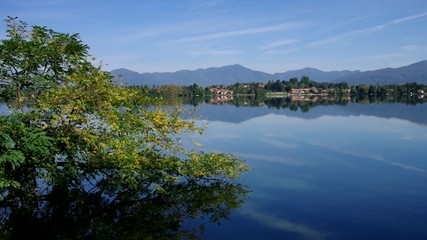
x,y
265,35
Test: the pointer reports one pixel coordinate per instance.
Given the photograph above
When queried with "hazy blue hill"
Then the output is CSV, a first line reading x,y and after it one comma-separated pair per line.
x,y
231,74
314,74
133,78
204,77
226,75
416,72
236,73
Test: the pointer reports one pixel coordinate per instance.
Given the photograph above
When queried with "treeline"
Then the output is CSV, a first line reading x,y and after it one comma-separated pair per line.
x,y
304,82
173,90
249,95
287,86
410,89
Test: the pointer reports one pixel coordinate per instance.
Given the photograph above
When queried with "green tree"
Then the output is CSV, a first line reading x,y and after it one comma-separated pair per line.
x,y
35,59
293,82
81,131
305,82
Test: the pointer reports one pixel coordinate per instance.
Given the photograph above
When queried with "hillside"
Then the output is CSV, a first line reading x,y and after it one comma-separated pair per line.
x,y
315,74
416,72
204,77
231,74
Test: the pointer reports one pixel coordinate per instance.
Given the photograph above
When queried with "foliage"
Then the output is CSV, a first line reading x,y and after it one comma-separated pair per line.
x,y
82,132
23,149
36,59
306,82
77,214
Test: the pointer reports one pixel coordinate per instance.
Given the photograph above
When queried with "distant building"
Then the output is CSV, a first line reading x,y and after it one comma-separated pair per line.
x,y
300,91
261,85
220,91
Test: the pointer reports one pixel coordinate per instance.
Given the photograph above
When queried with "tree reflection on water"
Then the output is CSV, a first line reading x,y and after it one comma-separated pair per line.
x,y
72,213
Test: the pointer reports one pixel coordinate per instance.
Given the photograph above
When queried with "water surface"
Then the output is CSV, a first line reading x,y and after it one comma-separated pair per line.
x,y
335,172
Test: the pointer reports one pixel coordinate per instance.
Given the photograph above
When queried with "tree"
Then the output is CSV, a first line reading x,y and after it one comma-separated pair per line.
x,y
81,131
293,82
305,82
77,214
36,59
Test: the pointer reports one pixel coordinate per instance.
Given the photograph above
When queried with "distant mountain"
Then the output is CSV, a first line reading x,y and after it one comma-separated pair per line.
x,y
314,74
416,72
231,74
204,77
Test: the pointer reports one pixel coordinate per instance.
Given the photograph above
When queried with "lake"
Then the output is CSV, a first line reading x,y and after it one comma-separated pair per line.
x,y
354,171
325,170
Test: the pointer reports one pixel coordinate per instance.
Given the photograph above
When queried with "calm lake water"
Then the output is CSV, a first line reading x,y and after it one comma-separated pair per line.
x,y
336,172
353,171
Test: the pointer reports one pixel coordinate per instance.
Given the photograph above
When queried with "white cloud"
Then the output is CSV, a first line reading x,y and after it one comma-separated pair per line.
x,y
408,18
281,52
279,143
32,3
366,31
206,4
270,158
409,48
371,156
345,23
284,225
413,48
383,56
279,43
213,52
241,32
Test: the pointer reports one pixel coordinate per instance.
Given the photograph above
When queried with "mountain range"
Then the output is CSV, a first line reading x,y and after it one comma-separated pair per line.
x,y
231,74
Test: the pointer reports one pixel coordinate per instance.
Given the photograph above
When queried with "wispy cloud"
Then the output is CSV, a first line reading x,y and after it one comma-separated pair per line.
x,y
138,32
270,158
284,225
44,14
366,31
281,52
371,157
413,138
241,32
278,143
408,18
410,48
414,48
383,56
31,3
213,52
344,23
206,4
279,43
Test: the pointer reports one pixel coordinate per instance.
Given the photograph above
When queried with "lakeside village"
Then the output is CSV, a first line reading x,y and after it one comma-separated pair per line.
x,y
296,94
302,90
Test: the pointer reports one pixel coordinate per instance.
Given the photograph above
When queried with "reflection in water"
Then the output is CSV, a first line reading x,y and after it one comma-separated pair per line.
x,y
71,213
286,226
303,103
338,175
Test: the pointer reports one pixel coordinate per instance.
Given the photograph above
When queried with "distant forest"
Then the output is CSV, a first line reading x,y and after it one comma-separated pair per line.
x,y
303,86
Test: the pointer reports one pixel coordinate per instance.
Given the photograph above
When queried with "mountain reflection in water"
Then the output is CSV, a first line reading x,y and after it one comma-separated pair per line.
x,y
241,109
